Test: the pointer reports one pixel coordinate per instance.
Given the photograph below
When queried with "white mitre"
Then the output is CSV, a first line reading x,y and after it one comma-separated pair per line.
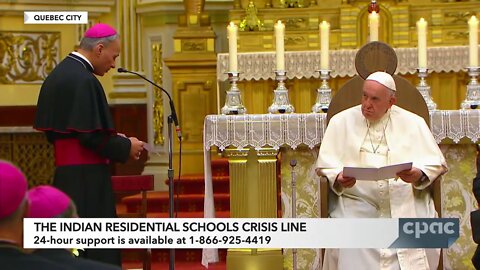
x,y
383,78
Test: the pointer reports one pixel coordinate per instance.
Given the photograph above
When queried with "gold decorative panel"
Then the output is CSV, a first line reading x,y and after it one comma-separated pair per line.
x,y
194,104
295,40
193,46
27,57
158,109
447,21
296,23
458,17
32,153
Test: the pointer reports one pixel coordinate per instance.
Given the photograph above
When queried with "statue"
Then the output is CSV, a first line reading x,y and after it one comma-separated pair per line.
x,y
251,22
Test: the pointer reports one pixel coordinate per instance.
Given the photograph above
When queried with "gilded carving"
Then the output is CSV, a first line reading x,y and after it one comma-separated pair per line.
x,y
193,46
32,153
459,17
158,109
296,23
27,57
295,40
458,34
267,153
237,154
292,3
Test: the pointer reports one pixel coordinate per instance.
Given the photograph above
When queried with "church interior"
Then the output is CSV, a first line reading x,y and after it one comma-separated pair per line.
x,y
245,118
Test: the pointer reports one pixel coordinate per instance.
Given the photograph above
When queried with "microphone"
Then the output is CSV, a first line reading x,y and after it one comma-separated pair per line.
x,y
170,101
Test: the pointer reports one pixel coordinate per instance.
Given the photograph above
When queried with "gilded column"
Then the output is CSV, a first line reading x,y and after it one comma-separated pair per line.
x,y
157,164
253,194
239,188
267,182
127,26
128,88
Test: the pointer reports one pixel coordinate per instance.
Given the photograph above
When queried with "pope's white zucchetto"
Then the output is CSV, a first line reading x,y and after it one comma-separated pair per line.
x,y
383,78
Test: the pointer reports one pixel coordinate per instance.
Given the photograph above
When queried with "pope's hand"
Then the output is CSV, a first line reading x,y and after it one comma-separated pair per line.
x,y
345,181
410,176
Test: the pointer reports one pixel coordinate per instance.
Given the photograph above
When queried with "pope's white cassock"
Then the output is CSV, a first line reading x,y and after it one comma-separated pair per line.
x,y
399,136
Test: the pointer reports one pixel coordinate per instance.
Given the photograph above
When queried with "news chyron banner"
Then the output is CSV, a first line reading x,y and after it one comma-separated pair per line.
x,y
240,233
55,17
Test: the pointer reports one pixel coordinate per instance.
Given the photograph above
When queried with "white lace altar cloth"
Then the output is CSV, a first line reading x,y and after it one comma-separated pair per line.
x,y
292,130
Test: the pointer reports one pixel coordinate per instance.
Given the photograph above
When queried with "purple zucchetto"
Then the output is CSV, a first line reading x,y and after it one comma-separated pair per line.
x,y
100,30
47,202
13,188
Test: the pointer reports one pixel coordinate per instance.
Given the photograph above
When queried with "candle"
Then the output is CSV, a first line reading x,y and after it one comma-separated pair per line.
x,y
280,46
422,43
473,38
324,43
232,30
373,19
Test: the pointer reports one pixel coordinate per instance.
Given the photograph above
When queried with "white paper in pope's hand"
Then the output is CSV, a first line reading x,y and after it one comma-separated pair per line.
x,y
373,174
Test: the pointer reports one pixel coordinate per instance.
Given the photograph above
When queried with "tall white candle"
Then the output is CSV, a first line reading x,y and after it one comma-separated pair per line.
x,y
422,43
373,20
232,31
324,45
473,38
280,46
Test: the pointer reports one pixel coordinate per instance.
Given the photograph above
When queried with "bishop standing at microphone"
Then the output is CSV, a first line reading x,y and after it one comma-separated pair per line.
x,y
73,112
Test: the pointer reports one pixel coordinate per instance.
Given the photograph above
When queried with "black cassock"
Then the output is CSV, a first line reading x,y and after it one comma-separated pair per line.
x,y
12,257
65,258
73,112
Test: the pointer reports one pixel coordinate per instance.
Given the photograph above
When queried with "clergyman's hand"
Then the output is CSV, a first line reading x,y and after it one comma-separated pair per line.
x,y
345,181
410,176
136,148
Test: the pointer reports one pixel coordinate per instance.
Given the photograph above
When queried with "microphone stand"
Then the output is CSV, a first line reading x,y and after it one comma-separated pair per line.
x,y
171,265
293,163
171,119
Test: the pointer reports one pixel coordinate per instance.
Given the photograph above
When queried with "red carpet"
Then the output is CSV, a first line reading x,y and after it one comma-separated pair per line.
x,y
178,266
189,202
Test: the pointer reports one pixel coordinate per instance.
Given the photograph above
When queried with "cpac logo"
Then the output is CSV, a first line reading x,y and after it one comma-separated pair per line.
x,y
420,228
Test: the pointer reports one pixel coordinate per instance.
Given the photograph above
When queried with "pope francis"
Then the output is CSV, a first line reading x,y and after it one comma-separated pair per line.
x,y
373,134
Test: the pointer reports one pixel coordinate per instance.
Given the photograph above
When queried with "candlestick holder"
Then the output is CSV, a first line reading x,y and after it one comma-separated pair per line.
x,y
324,93
424,88
281,103
472,99
233,99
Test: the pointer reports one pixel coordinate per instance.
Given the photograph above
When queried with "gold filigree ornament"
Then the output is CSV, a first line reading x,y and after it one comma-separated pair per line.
x,y
251,22
27,57
292,3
